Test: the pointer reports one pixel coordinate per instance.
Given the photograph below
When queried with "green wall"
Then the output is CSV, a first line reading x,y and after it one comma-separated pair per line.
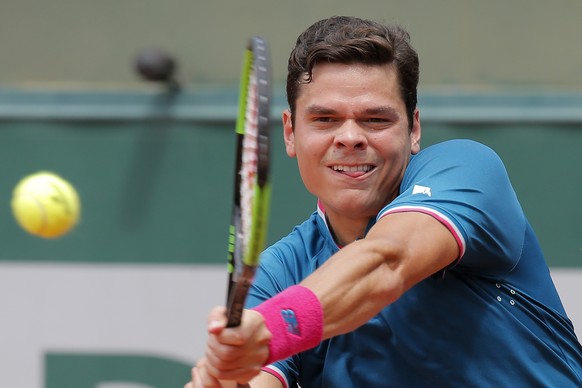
x,y
155,185
154,171
89,371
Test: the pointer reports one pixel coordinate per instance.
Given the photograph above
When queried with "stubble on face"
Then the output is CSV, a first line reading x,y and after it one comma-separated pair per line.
x,y
351,138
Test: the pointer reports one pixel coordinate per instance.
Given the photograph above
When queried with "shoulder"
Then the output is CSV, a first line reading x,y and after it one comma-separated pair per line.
x,y
454,157
457,149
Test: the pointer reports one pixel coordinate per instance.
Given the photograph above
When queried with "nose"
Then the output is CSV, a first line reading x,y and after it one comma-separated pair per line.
x,y
351,136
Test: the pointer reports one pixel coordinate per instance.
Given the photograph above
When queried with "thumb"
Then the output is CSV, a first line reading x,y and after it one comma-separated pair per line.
x,y
217,320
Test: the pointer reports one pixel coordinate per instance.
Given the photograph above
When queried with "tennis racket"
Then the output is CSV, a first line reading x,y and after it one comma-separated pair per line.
x,y
248,228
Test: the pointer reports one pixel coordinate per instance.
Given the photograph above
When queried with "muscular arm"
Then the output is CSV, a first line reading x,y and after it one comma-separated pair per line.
x,y
367,275
352,287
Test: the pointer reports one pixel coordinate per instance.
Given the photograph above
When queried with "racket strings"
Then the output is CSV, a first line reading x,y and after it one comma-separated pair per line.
x,y
249,165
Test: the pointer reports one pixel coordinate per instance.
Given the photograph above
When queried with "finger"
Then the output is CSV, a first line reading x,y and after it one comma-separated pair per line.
x,y
240,375
249,343
240,347
253,325
196,382
217,319
191,383
203,379
220,350
223,357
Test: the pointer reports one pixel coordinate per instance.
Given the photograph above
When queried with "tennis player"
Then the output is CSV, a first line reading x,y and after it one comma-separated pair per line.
x,y
418,268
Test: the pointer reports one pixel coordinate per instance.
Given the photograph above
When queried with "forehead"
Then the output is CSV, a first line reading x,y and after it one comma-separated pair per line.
x,y
334,83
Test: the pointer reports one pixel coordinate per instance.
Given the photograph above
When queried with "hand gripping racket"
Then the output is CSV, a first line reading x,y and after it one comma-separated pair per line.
x,y
248,228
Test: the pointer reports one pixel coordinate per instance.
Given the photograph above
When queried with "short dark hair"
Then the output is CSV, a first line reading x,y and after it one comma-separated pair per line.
x,y
344,39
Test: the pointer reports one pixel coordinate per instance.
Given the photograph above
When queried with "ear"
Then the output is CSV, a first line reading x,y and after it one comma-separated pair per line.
x,y
415,133
288,134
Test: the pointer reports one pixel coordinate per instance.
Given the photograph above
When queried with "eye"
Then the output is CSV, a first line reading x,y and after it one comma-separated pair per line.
x,y
323,122
324,119
380,117
377,122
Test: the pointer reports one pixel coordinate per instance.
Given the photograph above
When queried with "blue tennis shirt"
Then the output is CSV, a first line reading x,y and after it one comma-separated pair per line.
x,y
493,318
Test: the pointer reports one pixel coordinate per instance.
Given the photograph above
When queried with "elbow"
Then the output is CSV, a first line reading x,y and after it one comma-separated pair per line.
x,y
391,282
392,288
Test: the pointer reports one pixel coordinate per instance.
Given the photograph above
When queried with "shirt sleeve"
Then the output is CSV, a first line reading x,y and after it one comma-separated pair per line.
x,y
465,186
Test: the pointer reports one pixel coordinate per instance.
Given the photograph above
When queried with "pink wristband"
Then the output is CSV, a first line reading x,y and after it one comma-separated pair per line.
x,y
295,319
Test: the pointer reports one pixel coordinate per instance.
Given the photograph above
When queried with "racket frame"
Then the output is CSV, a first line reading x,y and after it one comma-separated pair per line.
x,y
243,261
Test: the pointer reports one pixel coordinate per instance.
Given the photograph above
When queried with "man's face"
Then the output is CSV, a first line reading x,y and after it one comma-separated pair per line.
x,y
351,137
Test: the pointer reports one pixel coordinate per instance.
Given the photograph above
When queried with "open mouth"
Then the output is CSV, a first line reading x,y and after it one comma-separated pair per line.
x,y
363,168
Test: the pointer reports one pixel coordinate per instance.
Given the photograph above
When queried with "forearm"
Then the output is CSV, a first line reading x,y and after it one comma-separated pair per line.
x,y
367,275
355,284
339,297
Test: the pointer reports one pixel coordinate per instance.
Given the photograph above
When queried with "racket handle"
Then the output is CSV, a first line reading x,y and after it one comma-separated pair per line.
x,y
237,301
237,298
234,313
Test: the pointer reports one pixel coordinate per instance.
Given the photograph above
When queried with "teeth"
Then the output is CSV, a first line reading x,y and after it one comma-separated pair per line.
x,y
364,168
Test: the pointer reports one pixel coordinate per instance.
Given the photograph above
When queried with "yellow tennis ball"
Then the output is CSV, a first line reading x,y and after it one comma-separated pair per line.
x,y
45,205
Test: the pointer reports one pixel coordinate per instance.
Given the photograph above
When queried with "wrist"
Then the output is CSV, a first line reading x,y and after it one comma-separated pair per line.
x,y
295,319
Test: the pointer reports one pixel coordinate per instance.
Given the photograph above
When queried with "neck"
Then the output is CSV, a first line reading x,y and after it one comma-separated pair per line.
x,y
345,231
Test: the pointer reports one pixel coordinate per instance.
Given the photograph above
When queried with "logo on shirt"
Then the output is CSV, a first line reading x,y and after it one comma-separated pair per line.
x,y
418,189
291,321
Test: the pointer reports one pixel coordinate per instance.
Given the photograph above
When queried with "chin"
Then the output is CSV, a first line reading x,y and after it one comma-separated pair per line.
x,y
353,207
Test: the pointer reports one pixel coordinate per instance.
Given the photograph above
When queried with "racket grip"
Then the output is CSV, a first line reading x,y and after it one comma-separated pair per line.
x,y
237,298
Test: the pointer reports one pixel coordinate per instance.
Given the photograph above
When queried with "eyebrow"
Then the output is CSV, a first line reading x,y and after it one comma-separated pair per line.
x,y
320,110
381,111
378,110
